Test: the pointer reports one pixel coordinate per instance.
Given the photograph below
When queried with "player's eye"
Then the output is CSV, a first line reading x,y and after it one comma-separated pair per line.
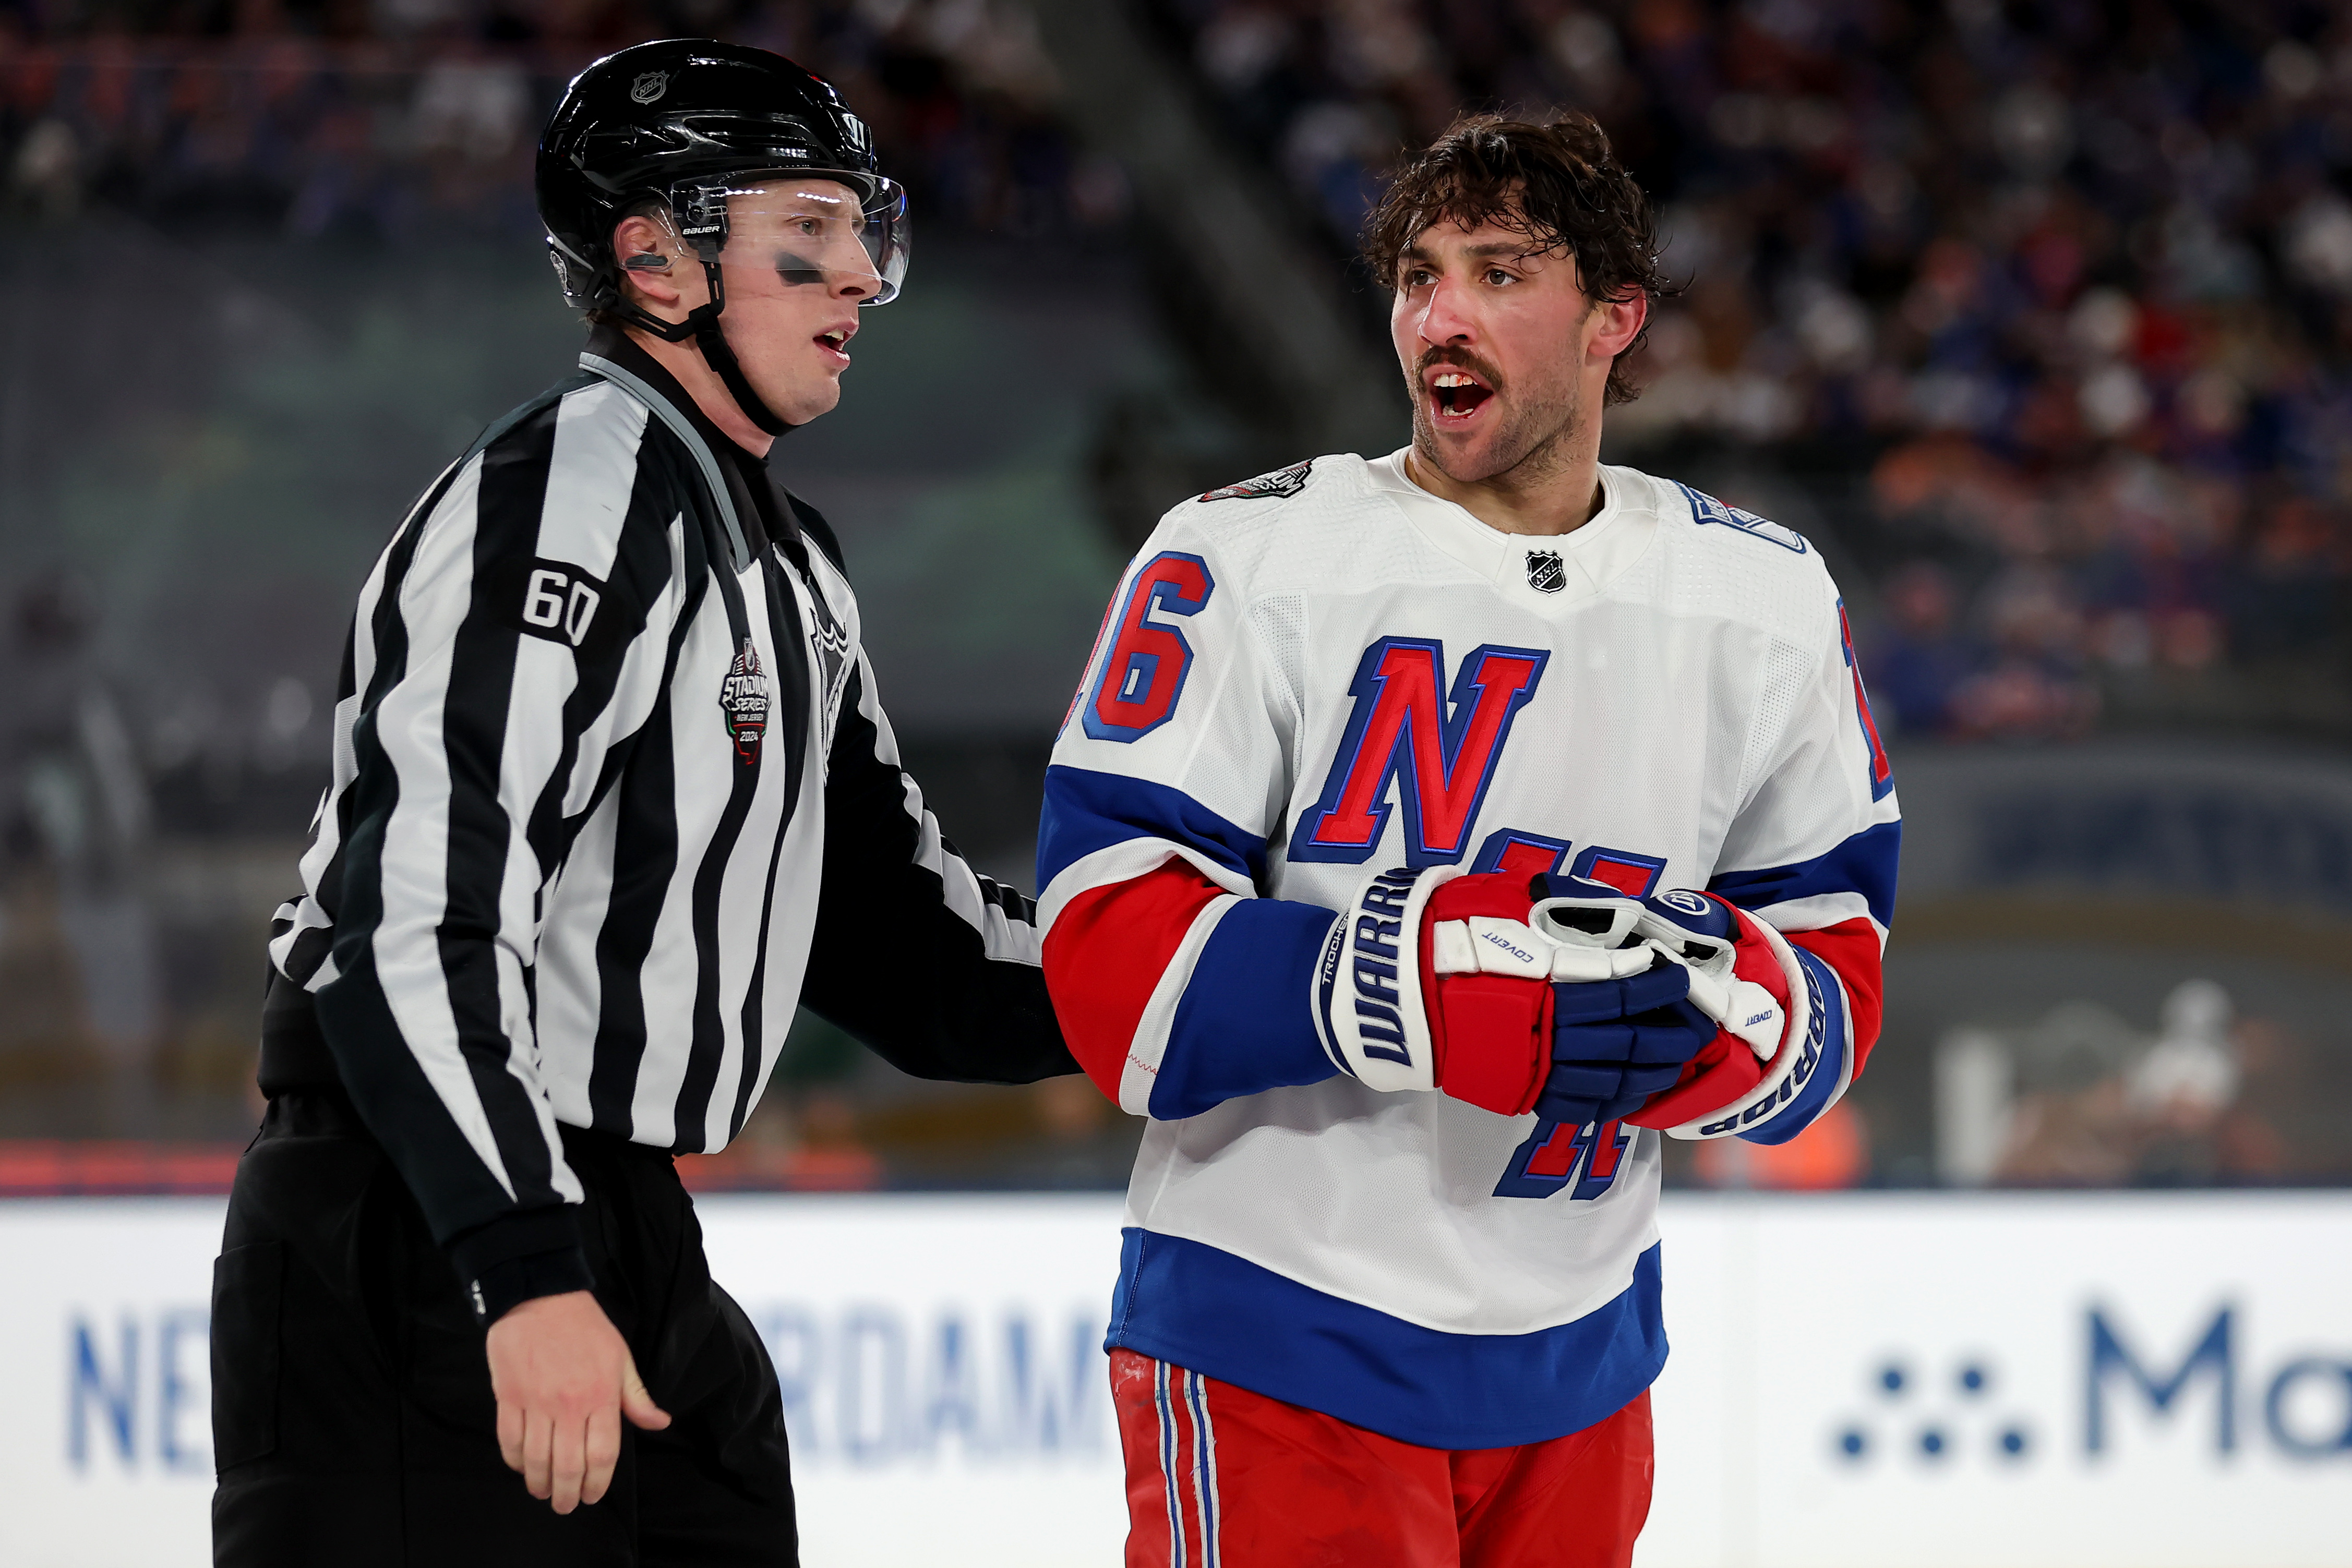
x,y
1497,278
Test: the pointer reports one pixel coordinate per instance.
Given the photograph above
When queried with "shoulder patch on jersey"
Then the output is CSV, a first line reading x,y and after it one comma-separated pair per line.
x,y
743,698
1706,508
1282,482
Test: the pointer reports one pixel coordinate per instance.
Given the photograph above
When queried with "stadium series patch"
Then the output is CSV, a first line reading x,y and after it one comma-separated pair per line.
x,y
743,698
1282,482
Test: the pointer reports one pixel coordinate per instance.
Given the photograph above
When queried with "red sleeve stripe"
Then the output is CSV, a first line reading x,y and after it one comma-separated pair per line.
x,y
1851,947
1105,955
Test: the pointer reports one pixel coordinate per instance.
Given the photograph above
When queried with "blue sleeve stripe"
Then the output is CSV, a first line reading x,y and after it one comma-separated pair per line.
x,y
1244,1024
1086,810
1814,1098
1863,864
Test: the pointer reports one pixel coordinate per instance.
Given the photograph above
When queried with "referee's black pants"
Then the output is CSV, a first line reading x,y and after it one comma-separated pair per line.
x,y
352,1422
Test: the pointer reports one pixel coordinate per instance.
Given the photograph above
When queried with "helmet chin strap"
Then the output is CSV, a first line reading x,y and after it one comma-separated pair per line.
x,y
701,324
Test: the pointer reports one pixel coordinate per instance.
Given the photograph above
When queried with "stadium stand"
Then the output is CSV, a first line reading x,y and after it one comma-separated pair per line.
x,y
403,118
2062,295
2066,290
2037,316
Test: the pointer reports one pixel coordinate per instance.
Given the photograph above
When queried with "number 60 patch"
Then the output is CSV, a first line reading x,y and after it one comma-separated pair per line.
x,y
551,599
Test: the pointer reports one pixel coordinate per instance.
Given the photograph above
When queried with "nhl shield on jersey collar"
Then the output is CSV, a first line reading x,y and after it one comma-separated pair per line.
x,y
1541,571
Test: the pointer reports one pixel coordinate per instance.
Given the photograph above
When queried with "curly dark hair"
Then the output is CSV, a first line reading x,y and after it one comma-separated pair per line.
x,y
1557,182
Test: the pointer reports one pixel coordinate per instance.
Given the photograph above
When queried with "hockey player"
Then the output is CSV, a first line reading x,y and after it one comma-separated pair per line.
x,y
1430,835
612,791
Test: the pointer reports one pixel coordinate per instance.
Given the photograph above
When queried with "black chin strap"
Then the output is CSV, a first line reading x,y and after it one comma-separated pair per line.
x,y
701,324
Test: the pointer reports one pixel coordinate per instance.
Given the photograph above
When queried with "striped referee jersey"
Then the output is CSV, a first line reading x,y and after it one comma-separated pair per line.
x,y
611,792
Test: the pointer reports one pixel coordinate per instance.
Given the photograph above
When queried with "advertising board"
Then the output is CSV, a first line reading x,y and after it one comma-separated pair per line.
x,y
1877,1380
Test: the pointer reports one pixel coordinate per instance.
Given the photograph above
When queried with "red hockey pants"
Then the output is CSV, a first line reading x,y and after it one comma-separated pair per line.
x,y
1218,1477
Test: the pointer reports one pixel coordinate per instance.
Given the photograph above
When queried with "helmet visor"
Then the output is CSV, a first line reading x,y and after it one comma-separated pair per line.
x,y
806,226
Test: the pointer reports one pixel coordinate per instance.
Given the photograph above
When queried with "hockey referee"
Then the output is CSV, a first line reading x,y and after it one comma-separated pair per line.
x,y
613,790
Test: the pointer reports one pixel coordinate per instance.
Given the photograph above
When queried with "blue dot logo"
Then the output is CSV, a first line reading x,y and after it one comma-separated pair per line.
x,y
1951,1427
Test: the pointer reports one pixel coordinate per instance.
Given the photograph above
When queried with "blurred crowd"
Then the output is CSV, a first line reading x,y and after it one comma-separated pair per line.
x,y
2054,298
2065,287
2079,1098
2044,309
397,119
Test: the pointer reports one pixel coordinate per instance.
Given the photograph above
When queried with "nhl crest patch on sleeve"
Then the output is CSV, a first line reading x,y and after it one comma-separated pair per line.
x,y
1282,482
743,698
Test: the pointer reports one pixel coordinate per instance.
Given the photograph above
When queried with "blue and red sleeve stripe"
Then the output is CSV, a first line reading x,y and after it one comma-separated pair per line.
x,y
1241,1021
1846,955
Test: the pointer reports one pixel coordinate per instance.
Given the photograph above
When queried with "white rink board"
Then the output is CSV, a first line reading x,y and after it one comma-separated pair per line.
x,y
948,1403
2081,1317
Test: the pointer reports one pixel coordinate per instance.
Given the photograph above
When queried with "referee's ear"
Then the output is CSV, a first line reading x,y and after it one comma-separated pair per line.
x,y
651,277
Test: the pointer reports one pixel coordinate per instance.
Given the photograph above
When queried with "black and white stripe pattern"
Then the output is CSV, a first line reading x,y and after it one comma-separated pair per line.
x,y
548,885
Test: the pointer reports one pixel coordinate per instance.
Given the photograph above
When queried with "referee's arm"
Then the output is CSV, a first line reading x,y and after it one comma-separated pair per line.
x,y
480,724
974,1009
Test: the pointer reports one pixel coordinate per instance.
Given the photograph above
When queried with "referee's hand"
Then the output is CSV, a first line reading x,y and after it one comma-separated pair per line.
x,y
563,1378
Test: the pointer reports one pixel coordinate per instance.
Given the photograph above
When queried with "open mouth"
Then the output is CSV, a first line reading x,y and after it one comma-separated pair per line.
x,y
1457,396
834,341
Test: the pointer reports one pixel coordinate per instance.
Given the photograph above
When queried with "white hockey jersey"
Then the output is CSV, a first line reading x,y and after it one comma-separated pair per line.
x,y
1328,671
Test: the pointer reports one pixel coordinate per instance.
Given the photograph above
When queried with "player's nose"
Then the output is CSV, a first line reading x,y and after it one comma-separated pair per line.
x,y
1443,319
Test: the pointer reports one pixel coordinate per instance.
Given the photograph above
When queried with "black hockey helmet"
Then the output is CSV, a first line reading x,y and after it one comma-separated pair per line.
x,y
696,126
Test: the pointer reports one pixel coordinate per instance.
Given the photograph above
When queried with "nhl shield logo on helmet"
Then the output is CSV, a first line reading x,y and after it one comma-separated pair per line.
x,y
1546,573
743,698
648,88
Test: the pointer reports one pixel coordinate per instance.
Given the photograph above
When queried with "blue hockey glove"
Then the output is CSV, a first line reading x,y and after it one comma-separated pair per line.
x,y
1615,1043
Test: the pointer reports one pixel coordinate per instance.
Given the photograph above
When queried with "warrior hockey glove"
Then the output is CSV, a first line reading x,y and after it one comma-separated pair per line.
x,y
1615,1042
1745,976
1569,997
1440,981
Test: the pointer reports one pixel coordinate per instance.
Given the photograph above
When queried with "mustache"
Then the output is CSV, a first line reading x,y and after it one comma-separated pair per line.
x,y
1460,359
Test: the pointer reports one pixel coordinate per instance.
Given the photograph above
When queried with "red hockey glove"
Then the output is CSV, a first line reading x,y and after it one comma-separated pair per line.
x,y
1744,975
1489,1034
1439,981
